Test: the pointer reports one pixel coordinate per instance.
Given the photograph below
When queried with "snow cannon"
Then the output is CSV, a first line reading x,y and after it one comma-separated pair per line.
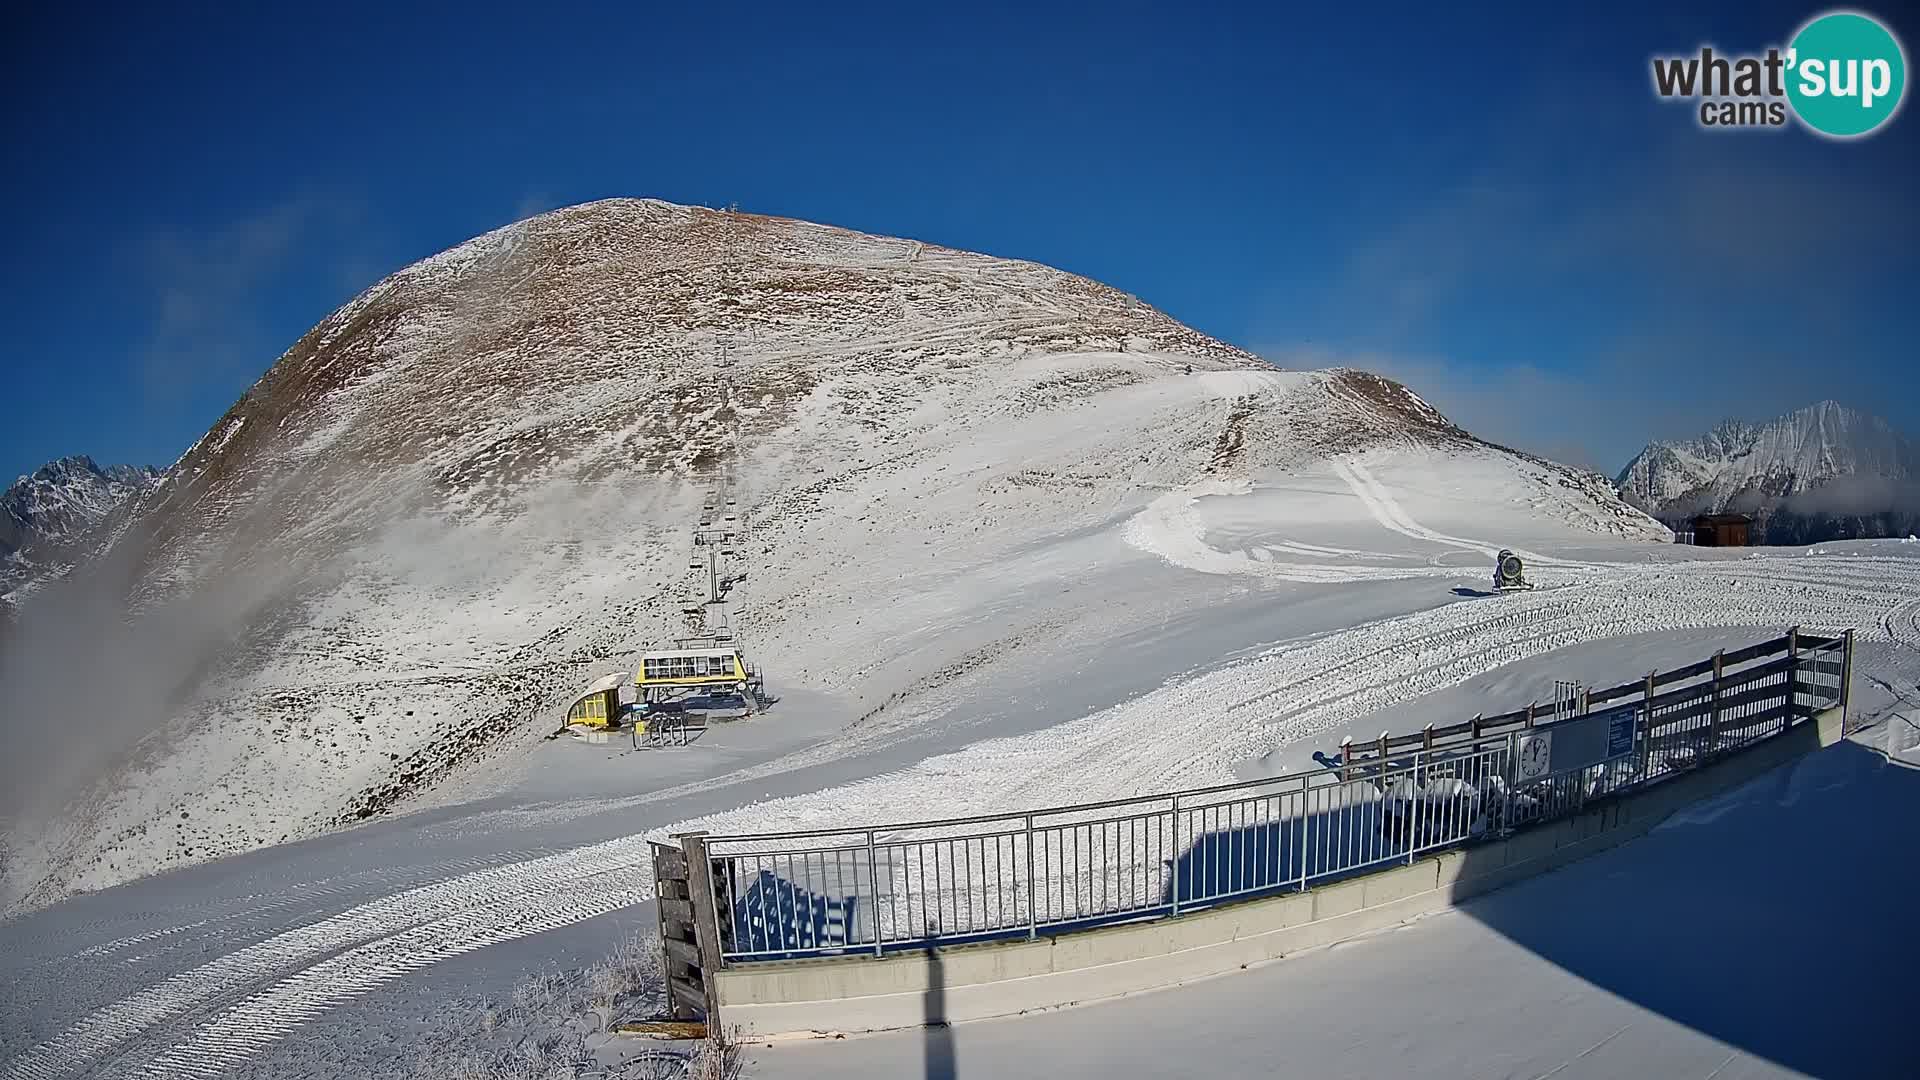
x,y
1509,573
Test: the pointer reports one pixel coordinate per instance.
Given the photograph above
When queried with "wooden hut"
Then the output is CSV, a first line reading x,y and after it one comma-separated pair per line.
x,y
1722,530
599,706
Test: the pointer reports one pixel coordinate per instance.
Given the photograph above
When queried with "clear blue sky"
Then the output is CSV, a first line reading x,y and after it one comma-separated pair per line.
x,y
1492,206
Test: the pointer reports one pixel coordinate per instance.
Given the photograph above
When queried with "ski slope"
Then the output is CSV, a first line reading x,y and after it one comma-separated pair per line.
x,y
1194,661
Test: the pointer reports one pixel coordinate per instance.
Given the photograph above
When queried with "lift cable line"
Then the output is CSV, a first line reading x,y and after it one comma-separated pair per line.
x,y
705,673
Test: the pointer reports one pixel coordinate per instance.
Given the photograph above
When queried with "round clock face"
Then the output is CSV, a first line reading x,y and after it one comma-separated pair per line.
x,y
1535,753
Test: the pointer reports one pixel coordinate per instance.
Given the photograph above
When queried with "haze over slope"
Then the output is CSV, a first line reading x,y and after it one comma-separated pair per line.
x,y
467,491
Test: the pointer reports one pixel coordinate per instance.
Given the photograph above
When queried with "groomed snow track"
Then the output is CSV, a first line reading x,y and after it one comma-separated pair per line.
x,y
211,1018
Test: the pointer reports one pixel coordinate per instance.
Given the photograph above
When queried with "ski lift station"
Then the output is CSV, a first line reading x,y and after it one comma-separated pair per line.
x,y
708,677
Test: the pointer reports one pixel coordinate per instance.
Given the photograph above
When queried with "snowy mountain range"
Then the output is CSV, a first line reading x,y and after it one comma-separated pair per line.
x,y
46,516
472,489
1825,459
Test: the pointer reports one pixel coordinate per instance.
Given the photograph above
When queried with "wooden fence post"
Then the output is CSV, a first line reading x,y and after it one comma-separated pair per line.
x,y
679,934
706,917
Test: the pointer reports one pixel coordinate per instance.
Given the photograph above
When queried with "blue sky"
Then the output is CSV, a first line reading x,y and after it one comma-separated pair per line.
x,y
1492,206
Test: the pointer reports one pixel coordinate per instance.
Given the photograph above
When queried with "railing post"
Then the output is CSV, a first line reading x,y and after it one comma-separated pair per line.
x,y
1033,913
1793,675
1346,759
1306,804
1426,754
1646,731
1176,854
706,917
873,883
1846,679
1713,716
1531,705
1513,774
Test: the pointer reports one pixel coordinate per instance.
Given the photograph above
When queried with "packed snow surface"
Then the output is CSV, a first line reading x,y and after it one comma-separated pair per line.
x,y
250,966
1014,541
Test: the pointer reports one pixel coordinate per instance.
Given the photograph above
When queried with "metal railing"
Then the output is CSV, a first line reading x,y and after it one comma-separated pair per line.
x,y
906,886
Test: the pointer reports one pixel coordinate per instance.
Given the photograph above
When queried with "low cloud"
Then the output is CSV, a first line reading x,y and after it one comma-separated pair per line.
x,y
1528,408
534,204
1650,296
1597,421
1858,495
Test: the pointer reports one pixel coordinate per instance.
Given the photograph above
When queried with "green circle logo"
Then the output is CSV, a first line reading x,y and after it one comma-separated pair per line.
x,y
1846,74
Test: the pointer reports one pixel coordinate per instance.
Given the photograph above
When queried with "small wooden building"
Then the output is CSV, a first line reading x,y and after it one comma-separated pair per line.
x,y
599,706
1721,530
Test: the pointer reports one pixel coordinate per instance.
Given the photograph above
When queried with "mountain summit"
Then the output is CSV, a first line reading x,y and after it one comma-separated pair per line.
x,y
1824,457
472,489
46,514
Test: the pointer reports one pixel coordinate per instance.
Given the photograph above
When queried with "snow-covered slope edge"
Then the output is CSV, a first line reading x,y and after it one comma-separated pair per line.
x,y
470,489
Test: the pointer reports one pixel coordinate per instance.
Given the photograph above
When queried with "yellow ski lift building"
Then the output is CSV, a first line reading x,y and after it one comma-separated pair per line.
x,y
709,674
718,666
599,707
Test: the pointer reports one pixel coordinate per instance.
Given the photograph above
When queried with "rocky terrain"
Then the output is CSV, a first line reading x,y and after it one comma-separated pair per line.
x,y
472,488
1819,473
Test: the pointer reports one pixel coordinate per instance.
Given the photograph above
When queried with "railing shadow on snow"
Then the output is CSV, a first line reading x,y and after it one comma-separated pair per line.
x,y
1776,918
788,920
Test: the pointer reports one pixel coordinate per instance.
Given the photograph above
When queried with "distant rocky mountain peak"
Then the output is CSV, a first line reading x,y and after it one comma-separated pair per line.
x,y
1826,458
48,513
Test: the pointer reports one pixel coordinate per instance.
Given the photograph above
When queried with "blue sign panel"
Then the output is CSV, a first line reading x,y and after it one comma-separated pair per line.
x,y
1620,725
1581,742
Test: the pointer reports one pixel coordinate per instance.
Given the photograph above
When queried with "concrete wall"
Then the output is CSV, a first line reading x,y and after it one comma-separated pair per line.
x,y
974,982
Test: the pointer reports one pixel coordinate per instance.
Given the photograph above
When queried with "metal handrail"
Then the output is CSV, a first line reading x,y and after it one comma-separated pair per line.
x,y
1066,867
1303,776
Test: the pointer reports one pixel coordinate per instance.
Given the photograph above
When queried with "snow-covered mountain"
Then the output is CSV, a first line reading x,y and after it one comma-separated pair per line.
x,y
472,488
1824,457
46,516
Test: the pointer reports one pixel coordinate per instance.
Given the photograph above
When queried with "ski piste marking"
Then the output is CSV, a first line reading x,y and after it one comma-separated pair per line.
x,y
1392,516
241,1030
551,880
224,913
1336,676
1169,529
1901,624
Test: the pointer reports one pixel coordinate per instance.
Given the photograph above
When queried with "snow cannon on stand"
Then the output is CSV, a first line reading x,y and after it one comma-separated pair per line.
x,y
1509,574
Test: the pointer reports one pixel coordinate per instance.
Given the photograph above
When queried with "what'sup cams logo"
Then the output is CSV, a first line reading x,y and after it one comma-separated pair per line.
x,y
1843,76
